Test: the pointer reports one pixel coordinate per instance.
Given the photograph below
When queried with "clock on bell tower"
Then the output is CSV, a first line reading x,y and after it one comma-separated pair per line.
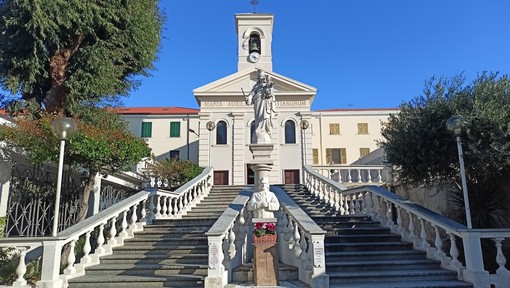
x,y
254,37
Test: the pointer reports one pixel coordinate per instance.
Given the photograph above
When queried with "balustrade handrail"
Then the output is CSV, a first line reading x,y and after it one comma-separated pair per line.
x,y
347,166
303,219
377,202
230,214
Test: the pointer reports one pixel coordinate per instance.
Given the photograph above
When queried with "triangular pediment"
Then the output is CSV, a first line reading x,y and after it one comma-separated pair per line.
x,y
244,80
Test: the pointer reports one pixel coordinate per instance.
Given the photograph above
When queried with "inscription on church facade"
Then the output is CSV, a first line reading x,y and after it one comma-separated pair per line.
x,y
288,103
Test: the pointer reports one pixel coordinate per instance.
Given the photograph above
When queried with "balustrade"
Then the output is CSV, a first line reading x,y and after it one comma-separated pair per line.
x,y
369,174
426,229
121,221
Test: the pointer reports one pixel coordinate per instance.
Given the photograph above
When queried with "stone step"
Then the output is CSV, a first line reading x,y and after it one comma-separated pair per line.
x,y
391,276
410,284
380,265
173,241
147,269
172,259
372,246
369,230
362,238
376,255
137,281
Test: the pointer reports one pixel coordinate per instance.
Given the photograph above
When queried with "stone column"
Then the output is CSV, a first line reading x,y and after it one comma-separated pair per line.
x,y
5,183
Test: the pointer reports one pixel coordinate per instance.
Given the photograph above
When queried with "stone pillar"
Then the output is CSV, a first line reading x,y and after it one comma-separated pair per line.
x,y
265,251
5,184
265,264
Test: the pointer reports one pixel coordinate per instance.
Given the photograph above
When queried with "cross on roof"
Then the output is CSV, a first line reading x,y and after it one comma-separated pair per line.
x,y
254,3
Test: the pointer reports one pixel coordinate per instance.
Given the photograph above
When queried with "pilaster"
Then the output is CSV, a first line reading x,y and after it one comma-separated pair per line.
x,y
238,148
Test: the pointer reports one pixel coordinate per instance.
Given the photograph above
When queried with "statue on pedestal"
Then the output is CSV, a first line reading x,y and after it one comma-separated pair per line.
x,y
263,202
263,100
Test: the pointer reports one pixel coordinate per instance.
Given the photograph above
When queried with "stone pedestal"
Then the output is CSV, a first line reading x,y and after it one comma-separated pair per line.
x,y
265,266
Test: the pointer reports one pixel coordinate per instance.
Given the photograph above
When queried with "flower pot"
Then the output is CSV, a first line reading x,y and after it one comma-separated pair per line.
x,y
265,239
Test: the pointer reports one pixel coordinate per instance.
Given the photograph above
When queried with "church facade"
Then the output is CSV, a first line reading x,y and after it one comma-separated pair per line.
x,y
219,133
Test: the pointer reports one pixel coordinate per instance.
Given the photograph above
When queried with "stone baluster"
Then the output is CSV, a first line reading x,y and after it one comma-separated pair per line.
x,y
379,176
369,210
352,207
134,216
164,207
369,175
143,213
341,200
231,240
100,241
423,236
179,205
304,257
454,252
438,243
340,180
359,176
173,203
123,233
71,258
389,216
500,257
158,206
337,196
113,232
411,227
376,211
400,227
21,269
349,178
346,204
357,203
297,239
86,259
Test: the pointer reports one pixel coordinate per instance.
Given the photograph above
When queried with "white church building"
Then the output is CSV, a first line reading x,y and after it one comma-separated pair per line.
x,y
218,134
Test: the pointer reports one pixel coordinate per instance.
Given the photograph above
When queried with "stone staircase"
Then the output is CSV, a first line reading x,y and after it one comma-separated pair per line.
x,y
168,253
362,253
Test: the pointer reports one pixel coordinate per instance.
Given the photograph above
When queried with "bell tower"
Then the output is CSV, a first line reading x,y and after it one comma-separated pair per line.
x,y
254,37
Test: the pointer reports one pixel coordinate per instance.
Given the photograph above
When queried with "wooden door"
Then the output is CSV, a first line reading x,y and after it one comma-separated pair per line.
x,y
220,177
291,176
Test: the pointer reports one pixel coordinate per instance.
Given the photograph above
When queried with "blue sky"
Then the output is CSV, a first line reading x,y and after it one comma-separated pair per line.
x,y
357,53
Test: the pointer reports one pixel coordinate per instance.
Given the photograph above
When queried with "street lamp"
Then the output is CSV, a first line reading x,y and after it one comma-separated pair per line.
x,y
210,126
63,129
304,125
454,126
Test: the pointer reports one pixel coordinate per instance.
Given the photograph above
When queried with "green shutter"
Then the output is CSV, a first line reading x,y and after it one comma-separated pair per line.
x,y
175,129
146,129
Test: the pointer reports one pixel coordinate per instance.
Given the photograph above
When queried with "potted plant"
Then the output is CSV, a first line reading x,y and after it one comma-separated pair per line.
x,y
264,232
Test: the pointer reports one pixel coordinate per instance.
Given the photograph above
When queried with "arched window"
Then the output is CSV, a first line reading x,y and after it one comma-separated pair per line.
x,y
252,132
221,132
290,132
254,43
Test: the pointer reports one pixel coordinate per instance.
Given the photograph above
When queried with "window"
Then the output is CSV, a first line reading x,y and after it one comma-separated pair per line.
x,y
315,155
334,129
364,152
221,133
336,156
175,129
363,128
146,129
174,154
290,132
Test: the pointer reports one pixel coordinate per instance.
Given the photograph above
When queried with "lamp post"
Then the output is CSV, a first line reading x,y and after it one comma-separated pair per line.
x,y
304,125
454,126
63,129
210,126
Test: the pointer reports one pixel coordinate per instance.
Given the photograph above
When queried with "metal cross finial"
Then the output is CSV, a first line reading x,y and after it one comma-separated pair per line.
x,y
254,3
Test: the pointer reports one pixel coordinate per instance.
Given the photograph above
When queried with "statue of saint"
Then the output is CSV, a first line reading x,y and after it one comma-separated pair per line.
x,y
263,202
263,100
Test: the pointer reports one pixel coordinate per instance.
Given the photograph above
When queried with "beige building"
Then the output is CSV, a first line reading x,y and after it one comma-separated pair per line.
x,y
219,133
